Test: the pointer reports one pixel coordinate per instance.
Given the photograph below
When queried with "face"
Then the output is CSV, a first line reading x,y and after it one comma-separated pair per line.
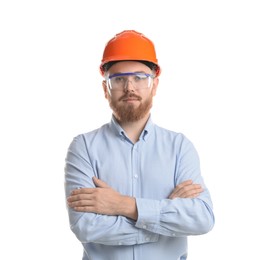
x,y
130,104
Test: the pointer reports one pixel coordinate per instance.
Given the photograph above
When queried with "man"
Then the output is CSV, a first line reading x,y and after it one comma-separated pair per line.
x,y
134,190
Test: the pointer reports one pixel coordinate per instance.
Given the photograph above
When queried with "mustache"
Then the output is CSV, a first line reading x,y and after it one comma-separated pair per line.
x,y
131,95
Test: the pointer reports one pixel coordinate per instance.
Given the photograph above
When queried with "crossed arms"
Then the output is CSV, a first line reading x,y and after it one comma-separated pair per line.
x,y
98,213
104,200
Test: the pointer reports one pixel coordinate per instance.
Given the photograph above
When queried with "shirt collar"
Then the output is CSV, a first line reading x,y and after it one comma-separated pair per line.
x,y
116,127
148,129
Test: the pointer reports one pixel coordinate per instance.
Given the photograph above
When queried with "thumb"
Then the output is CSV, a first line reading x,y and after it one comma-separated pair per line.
x,y
99,183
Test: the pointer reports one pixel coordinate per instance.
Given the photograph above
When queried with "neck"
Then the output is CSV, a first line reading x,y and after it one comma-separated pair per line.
x,y
134,129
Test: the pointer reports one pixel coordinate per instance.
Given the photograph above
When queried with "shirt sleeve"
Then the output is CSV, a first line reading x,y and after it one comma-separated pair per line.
x,y
179,217
91,227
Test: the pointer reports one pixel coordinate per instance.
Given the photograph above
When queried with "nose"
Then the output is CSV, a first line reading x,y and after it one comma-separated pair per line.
x,y
129,86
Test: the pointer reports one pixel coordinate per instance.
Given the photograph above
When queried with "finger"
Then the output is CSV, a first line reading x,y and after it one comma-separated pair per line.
x,y
84,209
80,202
182,188
187,191
79,197
171,196
195,195
82,191
184,183
178,189
191,193
99,183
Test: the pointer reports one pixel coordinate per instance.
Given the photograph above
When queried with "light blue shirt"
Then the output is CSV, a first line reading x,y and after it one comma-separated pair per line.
x,y
148,170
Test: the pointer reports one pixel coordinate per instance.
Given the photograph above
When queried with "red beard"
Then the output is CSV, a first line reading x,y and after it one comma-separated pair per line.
x,y
128,113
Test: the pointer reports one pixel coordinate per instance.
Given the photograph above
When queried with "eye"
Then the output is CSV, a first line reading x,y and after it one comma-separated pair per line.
x,y
139,77
119,79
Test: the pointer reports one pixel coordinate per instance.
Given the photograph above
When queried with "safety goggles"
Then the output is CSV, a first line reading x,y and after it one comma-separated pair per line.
x,y
139,80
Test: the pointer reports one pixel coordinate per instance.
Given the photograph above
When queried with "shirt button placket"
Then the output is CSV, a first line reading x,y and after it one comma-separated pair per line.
x,y
135,175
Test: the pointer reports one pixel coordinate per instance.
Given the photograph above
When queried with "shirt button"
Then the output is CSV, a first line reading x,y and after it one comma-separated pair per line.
x,y
173,234
147,239
136,176
144,226
120,243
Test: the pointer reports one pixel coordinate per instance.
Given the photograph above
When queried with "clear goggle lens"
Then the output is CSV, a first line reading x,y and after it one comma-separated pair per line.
x,y
120,80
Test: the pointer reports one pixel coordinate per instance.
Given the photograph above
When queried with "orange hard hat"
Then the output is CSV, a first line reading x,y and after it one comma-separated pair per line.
x,y
129,45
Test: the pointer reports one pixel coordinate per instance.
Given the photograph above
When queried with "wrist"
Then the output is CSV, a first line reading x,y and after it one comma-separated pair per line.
x,y
128,207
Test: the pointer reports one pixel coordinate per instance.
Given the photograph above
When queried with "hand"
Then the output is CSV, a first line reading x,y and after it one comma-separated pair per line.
x,y
102,200
186,189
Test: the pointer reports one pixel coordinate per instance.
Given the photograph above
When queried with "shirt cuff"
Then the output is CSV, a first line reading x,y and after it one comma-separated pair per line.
x,y
148,214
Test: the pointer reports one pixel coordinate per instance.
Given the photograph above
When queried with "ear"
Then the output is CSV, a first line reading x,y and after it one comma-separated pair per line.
x,y
105,88
155,86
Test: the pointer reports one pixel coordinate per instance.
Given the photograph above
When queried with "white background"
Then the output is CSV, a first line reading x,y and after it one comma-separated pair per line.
x,y
213,60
